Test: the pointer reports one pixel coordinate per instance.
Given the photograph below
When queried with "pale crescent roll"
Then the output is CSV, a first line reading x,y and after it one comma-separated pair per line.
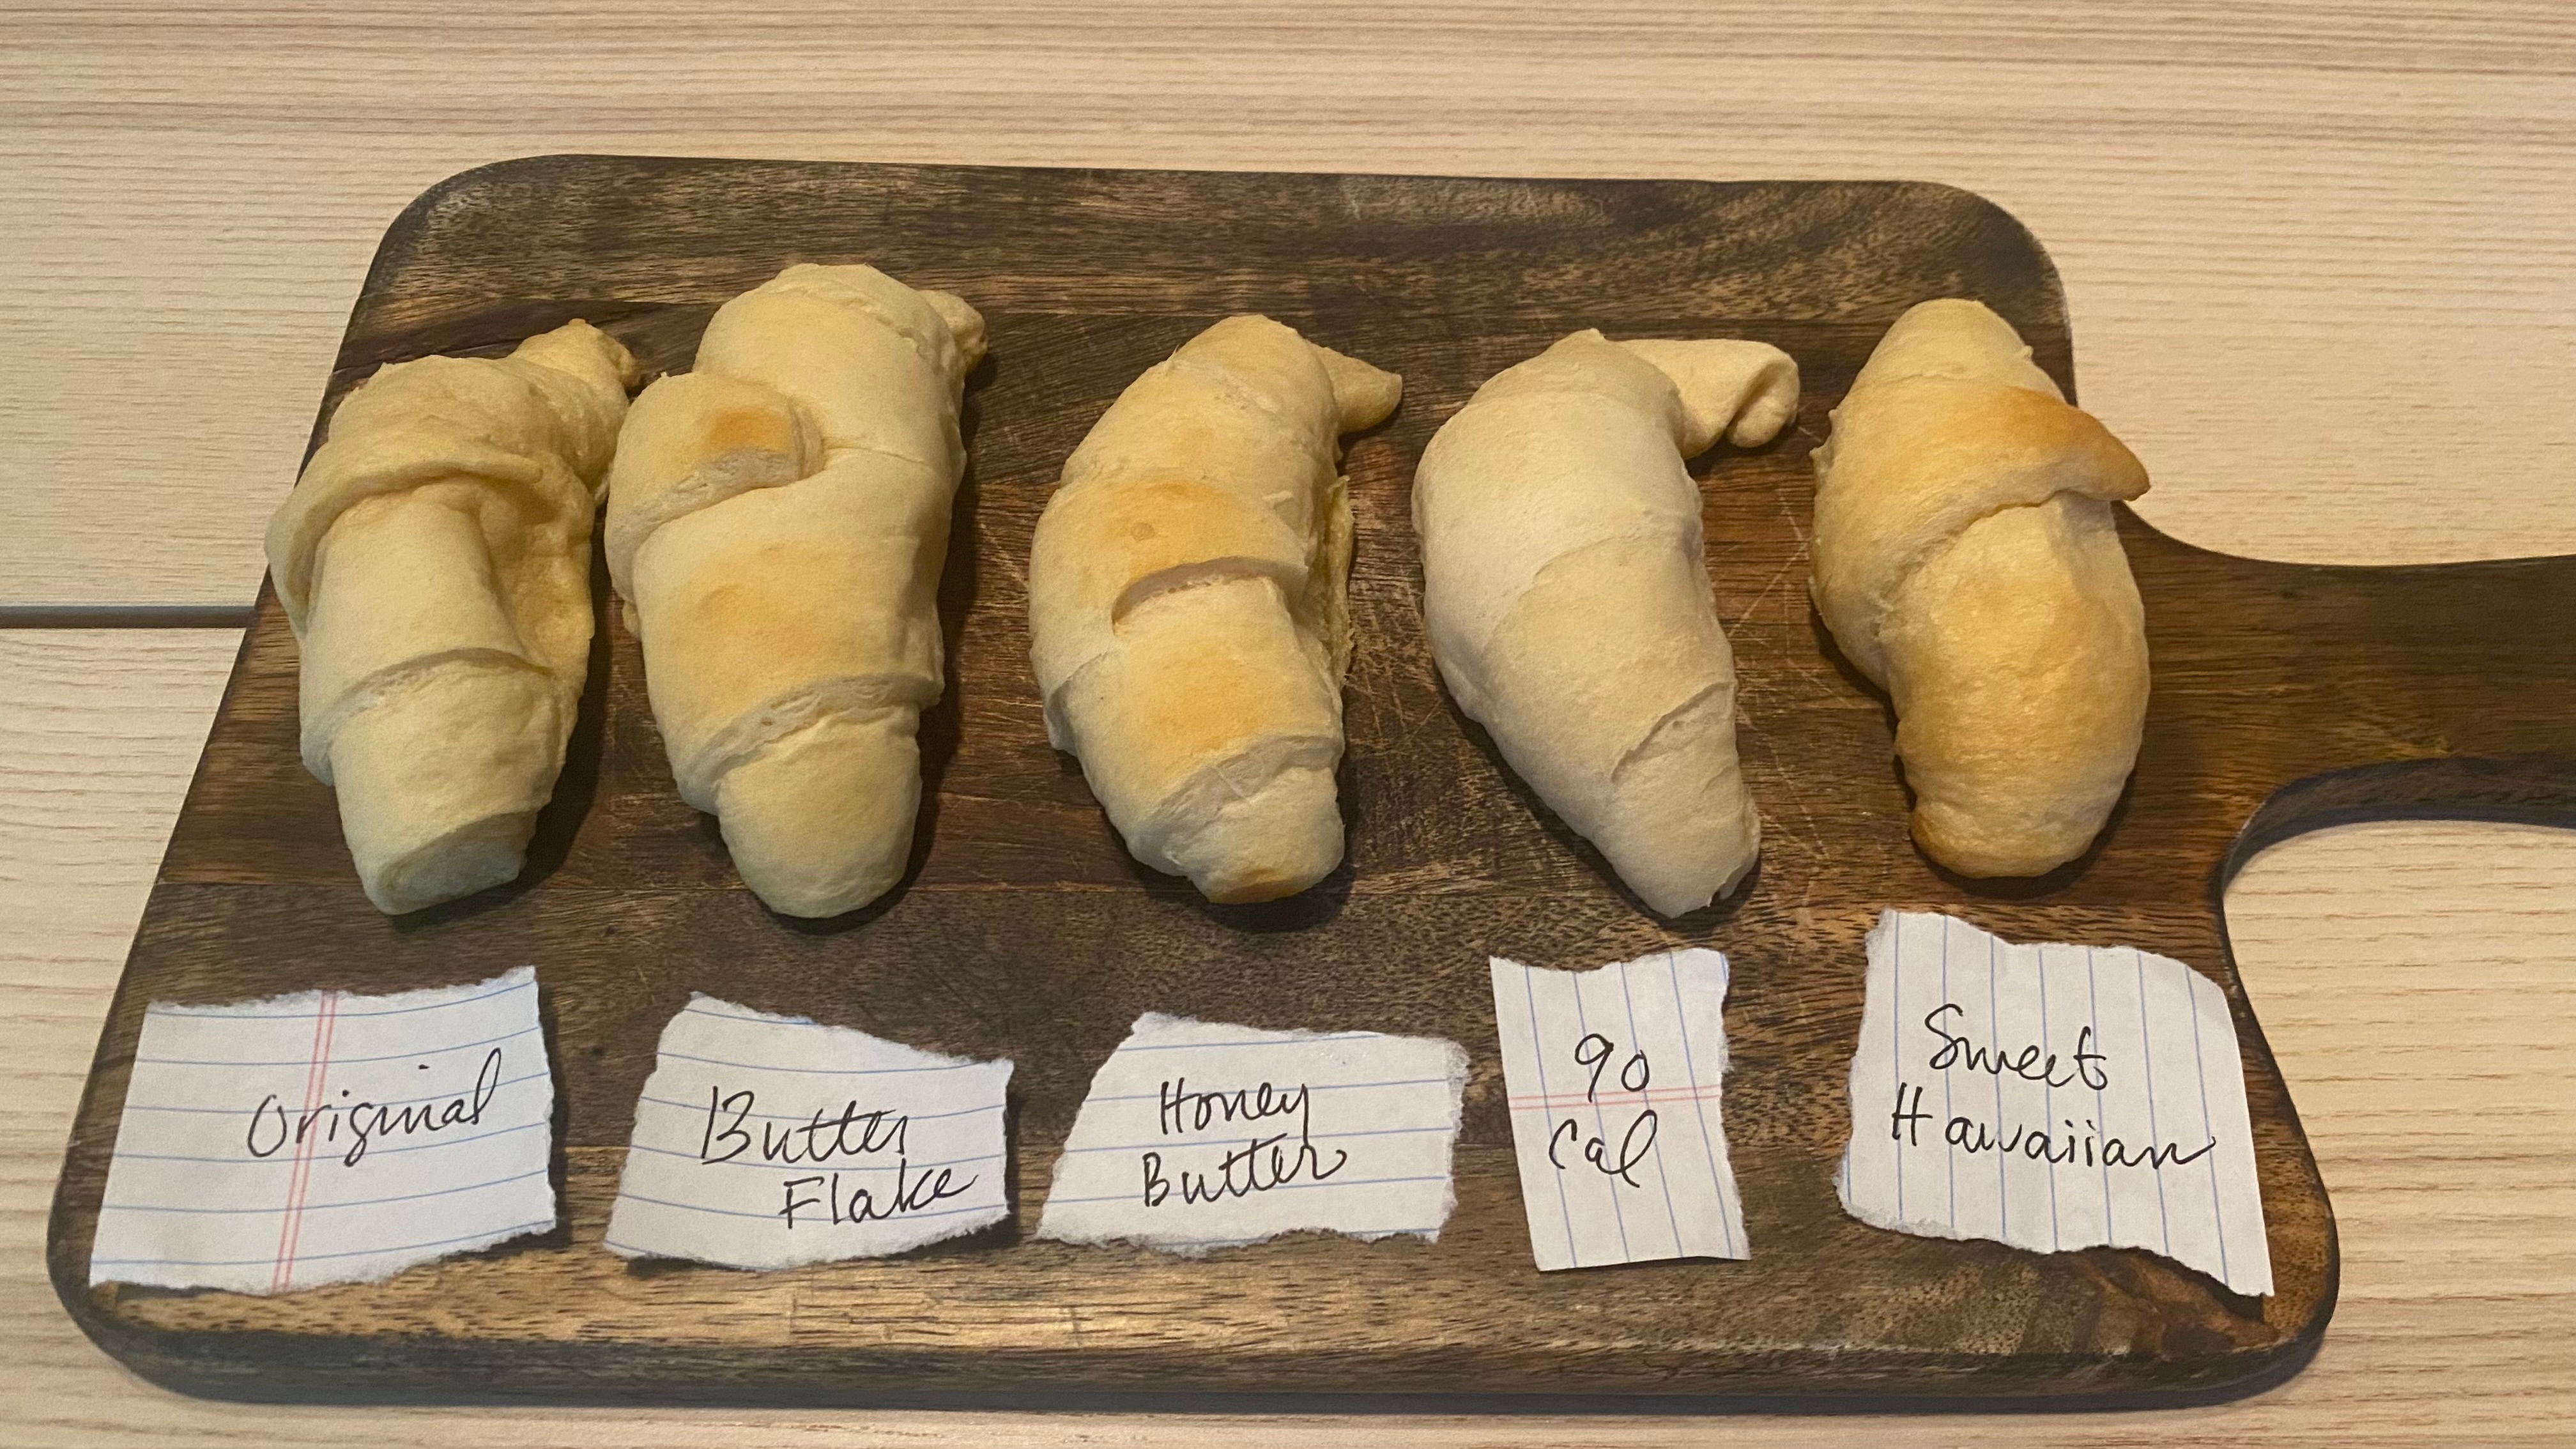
x,y
434,561
1566,591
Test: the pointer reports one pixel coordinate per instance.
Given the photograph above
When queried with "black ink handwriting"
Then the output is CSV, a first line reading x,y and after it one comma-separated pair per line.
x,y
830,1133
862,1205
1632,1147
1594,1050
1182,1110
366,1123
2088,1145
2025,1064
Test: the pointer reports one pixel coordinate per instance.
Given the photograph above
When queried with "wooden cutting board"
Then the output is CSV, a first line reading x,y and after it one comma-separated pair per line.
x,y
1025,931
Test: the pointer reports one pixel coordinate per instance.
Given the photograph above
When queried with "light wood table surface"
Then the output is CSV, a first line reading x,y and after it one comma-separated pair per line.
x,y
2321,275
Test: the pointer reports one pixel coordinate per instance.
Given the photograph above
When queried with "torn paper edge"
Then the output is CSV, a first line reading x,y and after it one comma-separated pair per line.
x,y
1002,1211
1889,920
1453,1059
305,1001
1722,1149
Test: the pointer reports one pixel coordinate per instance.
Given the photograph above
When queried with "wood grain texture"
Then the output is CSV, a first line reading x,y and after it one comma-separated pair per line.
x,y
95,765
2411,978
2273,221
2317,248
1025,931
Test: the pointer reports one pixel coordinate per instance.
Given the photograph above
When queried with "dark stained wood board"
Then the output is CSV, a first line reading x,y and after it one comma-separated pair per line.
x,y
1025,930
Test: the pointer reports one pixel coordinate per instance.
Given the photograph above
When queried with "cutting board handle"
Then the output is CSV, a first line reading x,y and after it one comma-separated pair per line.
x,y
2524,790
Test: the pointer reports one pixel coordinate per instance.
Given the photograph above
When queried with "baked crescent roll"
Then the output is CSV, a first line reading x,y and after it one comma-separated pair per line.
x,y
1186,608
434,561
1566,591
1967,559
776,523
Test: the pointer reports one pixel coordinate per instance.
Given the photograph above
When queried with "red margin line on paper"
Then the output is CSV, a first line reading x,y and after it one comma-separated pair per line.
x,y
317,1071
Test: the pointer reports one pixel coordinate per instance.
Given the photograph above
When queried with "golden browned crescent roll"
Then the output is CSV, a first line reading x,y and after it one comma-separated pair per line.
x,y
1566,591
776,523
1966,559
1186,609
434,561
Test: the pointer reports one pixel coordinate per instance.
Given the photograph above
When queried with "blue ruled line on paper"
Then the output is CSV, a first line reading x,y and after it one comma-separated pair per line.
x,y
904,1165
2200,1075
1950,1160
1217,1139
700,1008
1630,1001
494,1236
2147,1048
1995,1030
1301,1041
335,1106
2093,1016
1538,1054
1726,1223
1283,1187
820,1220
1316,1087
341,1061
315,1207
810,1116
283,1160
671,1056
2048,1098
157,1009
1618,1215
1895,1053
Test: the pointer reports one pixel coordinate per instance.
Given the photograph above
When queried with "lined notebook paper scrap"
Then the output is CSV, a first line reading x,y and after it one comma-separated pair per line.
x,y
2051,1097
328,1138
767,1141
1614,1080
1200,1135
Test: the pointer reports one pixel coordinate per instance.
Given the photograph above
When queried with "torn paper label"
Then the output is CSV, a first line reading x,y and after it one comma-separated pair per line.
x,y
1200,1135
1614,1079
767,1141
328,1138
2051,1097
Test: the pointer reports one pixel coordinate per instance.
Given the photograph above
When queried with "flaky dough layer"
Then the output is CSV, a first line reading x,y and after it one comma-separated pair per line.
x,y
1567,595
1967,558
434,561
777,519
1187,618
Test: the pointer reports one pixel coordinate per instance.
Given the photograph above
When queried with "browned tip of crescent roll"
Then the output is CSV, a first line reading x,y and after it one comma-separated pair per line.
x,y
776,523
1186,607
1967,558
